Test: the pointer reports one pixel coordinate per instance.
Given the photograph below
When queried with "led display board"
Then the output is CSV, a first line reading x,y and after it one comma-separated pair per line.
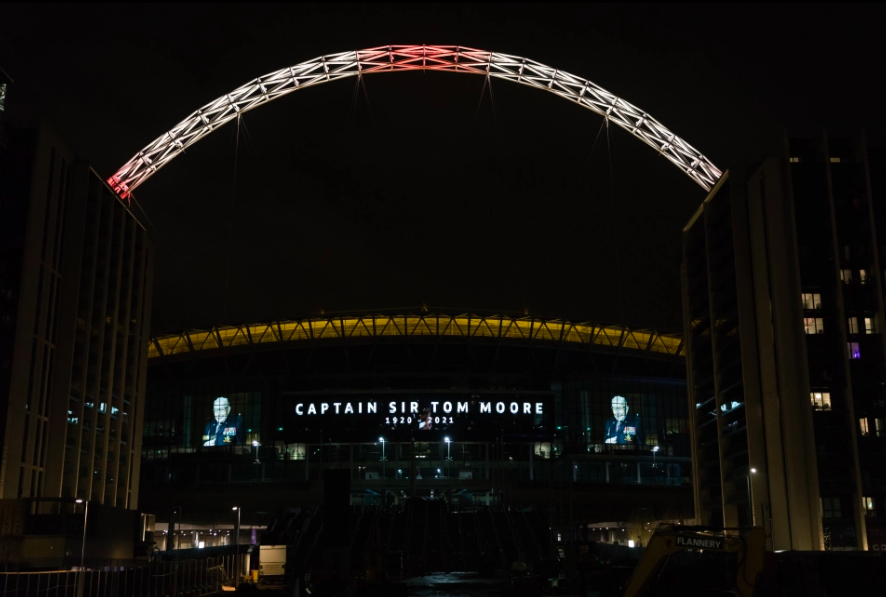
x,y
419,415
594,415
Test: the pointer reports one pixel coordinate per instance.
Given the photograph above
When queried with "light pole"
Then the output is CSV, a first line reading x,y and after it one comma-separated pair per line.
x,y
383,459
255,444
80,577
448,455
237,546
654,450
751,498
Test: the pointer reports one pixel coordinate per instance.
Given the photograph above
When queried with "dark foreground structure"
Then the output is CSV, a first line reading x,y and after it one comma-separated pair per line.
x,y
783,294
76,268
584,426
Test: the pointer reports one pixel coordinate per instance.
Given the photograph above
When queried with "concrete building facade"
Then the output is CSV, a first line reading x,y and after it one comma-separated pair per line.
x,y
783,305
75,285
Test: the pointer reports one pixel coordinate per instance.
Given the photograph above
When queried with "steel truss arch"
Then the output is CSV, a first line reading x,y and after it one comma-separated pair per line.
x,y
458,59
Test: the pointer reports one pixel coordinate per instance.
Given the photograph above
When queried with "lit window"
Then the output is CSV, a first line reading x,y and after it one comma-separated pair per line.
x,y
830,507
811,300
879,427
813,325
853,325
821,400
846,276
863,425
543,450
870,325
794,160
862,276
835,160
868,503
854,350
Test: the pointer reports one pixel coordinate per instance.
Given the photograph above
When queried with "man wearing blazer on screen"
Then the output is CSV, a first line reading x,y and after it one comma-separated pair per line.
x,y
623,428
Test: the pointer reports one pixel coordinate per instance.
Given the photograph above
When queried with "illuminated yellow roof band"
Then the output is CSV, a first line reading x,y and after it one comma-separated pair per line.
x,y
429,324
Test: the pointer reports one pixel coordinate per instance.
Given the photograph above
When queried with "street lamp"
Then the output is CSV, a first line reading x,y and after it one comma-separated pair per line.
x,y
255,444
654,450
751,498
80,576
237,545
383,459
448,455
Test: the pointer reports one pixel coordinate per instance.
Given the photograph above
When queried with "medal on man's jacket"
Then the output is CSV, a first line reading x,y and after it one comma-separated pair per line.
x,y
229,433
629,434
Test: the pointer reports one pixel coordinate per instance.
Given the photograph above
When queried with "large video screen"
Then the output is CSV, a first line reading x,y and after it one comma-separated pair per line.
x,y
632,415
201,420
623,427
596,415
419,415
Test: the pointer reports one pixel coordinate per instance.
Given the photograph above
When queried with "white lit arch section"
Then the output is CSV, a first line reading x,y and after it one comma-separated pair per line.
x,y
456,59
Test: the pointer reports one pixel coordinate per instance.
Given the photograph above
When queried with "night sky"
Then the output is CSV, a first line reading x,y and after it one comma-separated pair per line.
x,y
422,194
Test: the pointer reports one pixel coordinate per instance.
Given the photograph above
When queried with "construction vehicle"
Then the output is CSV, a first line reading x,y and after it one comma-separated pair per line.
x,y
698,561
692,560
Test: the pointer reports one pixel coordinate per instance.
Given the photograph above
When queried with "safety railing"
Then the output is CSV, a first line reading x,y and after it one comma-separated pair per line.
x,y
193,578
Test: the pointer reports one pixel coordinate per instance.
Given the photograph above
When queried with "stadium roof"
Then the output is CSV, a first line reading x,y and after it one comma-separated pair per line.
x,y
429,325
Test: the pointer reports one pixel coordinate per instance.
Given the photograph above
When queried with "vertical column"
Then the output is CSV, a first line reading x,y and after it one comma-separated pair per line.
x,y
844,311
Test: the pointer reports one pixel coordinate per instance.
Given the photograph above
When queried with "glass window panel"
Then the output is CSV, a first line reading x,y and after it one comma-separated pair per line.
x,y
821,400
854,350
813,325
863,426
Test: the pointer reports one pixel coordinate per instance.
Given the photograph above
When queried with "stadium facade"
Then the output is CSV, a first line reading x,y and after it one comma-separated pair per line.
x,y
583,422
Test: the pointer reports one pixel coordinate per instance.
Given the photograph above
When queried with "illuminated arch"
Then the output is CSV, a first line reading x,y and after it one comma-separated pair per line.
x,y
410,58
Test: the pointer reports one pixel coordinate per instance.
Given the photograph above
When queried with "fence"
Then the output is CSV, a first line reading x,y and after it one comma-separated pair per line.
x,y
189,578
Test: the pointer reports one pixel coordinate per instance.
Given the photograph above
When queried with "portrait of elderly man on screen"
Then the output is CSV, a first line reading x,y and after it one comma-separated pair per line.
x,y
623,428
224,429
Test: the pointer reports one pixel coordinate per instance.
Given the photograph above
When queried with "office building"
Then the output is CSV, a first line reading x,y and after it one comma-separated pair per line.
x,y
783,303
76,269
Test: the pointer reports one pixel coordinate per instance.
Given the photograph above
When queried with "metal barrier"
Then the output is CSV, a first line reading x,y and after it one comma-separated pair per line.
x,y
189,578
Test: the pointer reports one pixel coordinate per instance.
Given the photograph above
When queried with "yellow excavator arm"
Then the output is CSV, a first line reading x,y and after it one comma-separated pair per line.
x,y
748,544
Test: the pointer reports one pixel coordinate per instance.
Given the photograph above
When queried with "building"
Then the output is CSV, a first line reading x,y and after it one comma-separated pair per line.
x,y
75,283
783,299
478,409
